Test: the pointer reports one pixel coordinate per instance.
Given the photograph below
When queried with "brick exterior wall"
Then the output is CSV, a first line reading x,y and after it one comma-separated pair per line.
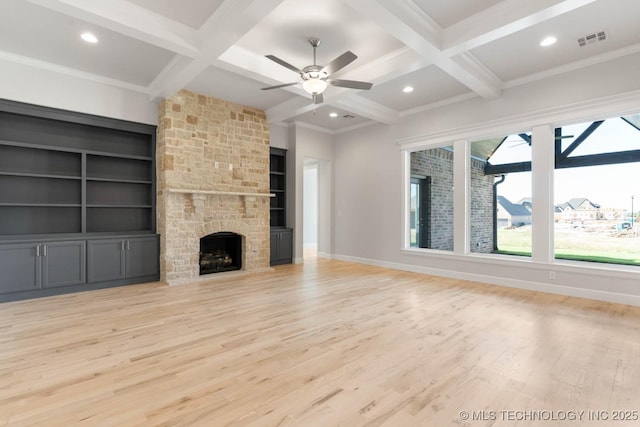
x,y
481,215
194,133
437,164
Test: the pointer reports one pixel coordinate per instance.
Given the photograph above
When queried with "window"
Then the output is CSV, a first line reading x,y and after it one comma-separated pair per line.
x,y
500,195
431,199
596,181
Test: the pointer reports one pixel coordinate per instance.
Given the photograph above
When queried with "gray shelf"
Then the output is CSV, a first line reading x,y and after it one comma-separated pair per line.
x,y
16,159
36,175
118,219
52,205
118,193
32,129
128,181
118,168
20,190
39,219
120,206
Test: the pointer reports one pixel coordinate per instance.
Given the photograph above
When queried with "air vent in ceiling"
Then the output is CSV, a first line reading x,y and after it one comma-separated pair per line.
x,y
592,38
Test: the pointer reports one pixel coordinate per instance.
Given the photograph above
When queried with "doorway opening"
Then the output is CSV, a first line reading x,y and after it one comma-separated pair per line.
x,y
310,209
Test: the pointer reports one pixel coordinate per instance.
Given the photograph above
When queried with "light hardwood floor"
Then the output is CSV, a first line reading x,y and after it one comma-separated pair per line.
x,y
325,344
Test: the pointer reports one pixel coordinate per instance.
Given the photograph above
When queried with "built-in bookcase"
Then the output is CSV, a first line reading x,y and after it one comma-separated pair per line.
x,y
77,202
277,177
281,237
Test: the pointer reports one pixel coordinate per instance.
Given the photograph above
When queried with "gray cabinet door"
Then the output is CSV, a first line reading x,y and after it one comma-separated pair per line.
x,y
19,267
63,263
142,257
281,246
285,245
274,246
105,260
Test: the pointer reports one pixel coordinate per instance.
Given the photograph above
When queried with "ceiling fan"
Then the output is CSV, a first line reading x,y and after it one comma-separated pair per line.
x,y
315,78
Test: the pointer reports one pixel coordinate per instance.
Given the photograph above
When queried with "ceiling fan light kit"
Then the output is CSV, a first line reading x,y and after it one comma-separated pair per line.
x,y
315,78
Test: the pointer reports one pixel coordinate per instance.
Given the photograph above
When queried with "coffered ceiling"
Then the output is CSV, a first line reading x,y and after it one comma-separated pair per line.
x,y
445,50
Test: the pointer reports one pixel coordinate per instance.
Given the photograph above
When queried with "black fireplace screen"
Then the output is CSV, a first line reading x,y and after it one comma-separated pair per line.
x,y
220,252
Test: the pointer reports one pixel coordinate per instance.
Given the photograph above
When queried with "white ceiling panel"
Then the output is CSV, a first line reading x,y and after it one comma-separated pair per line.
x,y
430,84
231,87
520,54
448,12
35,32
193,13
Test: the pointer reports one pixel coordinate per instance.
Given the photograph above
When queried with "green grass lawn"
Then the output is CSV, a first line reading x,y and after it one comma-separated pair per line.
x,y
575,245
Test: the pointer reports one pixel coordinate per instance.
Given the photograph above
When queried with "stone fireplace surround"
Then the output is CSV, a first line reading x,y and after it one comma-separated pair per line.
x,y
213,176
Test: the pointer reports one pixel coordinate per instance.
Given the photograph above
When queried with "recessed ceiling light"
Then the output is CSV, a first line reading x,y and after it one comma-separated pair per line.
x,y
333,115
89,37
408,89
548,41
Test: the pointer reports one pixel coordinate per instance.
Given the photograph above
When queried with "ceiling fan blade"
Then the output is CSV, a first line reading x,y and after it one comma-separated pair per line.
x,y
284,63
317,98
279,86
341,61
351,84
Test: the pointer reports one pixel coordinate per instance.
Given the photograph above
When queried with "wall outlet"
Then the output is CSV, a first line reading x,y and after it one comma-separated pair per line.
x,y
552,275
230,166
215,165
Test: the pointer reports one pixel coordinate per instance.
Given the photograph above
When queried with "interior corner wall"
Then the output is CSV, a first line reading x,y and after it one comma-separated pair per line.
x,y
305,142
369,175
279,136
25,83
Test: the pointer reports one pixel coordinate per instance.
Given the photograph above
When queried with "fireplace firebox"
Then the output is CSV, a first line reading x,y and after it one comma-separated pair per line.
x,y
220,252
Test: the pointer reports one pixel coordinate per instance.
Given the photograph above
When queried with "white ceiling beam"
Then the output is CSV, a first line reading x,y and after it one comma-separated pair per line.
x,y
401,19
230,22
501,20
130,20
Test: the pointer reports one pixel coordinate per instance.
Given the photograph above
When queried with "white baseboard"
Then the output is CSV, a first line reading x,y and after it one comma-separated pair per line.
x,y
501,281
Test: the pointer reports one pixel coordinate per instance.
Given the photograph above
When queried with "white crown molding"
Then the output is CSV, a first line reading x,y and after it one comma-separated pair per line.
x,y
620,104
312,127
355,127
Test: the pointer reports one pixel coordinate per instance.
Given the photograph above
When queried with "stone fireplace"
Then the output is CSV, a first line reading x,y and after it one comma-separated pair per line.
x,y
213,177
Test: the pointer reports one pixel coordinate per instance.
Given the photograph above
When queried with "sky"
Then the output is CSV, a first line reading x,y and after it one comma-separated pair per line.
x,y
610,186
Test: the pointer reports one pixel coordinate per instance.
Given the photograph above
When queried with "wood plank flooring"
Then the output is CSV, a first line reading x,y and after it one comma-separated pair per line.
x,y
325,344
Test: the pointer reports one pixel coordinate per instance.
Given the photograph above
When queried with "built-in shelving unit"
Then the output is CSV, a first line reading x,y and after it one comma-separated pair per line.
x,y
71,176
277,185
281,237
